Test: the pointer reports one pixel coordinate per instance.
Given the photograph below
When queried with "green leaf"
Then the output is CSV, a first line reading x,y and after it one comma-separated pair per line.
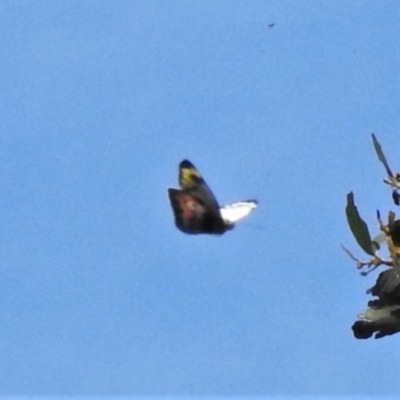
x,y
375,314
391,217
381,155
358,227
378,240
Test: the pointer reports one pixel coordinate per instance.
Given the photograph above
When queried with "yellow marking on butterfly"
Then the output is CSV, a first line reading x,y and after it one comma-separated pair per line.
x,y
189,175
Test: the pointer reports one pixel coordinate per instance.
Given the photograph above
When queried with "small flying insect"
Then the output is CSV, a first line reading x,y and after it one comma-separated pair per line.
x,y
196,209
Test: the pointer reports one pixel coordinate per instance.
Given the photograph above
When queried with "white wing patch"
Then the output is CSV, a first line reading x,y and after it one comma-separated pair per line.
x,y
234,212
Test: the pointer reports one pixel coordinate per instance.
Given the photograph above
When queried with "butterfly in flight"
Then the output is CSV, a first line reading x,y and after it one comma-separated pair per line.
x,y
196,209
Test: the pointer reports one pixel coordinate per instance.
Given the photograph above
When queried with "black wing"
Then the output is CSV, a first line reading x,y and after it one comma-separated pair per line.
x,y
191,179
192,214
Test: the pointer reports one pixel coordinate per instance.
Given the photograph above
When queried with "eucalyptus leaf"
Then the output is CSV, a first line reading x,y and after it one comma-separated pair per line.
x,y
358,227
378,240
391,217
396,198
381,155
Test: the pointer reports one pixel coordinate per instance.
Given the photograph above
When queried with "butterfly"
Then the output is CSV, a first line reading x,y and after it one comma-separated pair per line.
x,y
196,209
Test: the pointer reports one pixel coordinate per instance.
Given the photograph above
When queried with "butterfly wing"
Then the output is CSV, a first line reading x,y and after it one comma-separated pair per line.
x,y
192,215
191,179
234,212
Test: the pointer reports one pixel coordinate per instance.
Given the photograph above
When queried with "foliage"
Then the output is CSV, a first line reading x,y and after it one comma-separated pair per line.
x,y
382,317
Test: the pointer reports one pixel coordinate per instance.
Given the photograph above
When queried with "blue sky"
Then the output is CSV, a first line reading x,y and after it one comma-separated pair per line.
x,y
100,101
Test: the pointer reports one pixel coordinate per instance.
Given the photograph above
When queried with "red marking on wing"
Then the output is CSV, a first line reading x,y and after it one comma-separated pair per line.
x,y
188,204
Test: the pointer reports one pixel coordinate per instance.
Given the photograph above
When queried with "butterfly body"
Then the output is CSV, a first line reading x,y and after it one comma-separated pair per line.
x,y
196,209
